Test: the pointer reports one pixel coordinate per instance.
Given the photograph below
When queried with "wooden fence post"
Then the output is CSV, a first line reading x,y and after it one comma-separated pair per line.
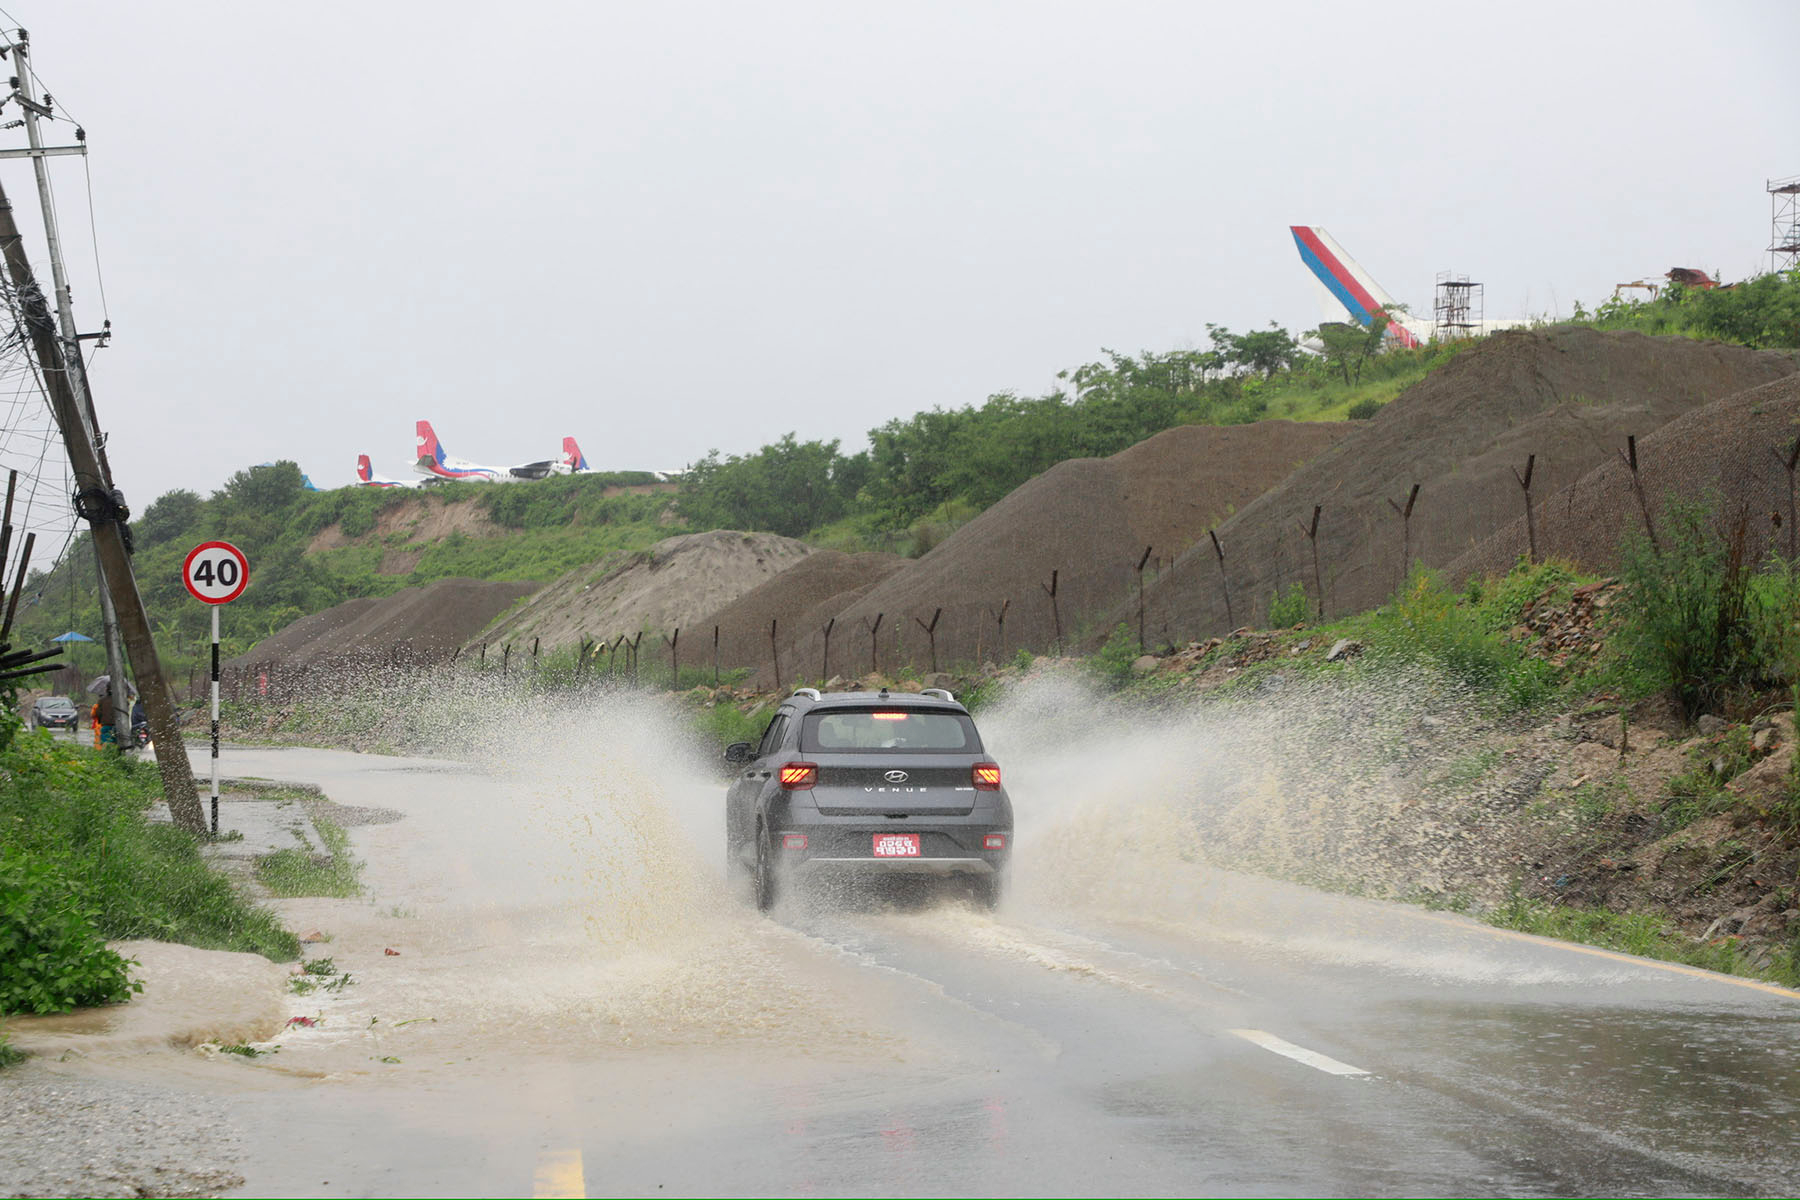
x,y
874,645
1788,462
775,651
931,635
1142,559
1405,512
1531,549
1224,580
1629,457
825,659
1312,536
674,659
1055,612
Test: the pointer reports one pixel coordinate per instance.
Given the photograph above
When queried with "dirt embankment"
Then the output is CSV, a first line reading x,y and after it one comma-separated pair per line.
x,y
801,598
1087,519
675,584
1569,395
414,626
1733,450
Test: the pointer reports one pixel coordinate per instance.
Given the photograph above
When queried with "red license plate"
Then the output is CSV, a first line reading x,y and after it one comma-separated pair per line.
x,y
896,845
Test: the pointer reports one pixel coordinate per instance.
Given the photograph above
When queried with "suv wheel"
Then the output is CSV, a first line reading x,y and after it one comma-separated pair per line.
x,y
762,884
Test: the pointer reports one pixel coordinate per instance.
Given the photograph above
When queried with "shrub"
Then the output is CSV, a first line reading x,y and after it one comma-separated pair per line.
x,y
1697,621
1289,608
1112,662
82,813
1362,410
1425,623
52,959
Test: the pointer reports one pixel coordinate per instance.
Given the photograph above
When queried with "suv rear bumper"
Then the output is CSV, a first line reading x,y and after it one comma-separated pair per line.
x,y
902,866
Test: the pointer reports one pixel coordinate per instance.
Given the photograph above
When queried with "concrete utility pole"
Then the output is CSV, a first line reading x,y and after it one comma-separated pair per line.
x,y
96,500
109,618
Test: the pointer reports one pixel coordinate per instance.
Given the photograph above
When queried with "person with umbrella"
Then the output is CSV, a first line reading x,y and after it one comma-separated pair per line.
x,y
105,734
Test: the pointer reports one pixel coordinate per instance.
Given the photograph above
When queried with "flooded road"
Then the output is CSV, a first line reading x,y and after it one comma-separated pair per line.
x,y
573,1004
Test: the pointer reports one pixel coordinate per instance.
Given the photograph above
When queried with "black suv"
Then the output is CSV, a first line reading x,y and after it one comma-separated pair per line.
x,y
867,782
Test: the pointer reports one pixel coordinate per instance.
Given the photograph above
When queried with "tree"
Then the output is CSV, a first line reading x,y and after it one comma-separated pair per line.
x,y
1266,350
787,487
169,516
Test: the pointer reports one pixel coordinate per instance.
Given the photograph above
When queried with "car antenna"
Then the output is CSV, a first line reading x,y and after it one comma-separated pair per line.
x,y
883,695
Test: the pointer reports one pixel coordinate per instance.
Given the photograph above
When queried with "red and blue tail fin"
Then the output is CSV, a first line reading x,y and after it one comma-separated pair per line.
x,y
572,457
1345,279
428,445
365,470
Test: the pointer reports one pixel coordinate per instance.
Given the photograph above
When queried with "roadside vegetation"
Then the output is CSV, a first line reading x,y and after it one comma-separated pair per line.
x,y
81,865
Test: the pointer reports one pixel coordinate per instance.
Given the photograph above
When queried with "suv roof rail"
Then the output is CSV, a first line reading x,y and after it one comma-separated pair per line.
x,y
813,693
939,692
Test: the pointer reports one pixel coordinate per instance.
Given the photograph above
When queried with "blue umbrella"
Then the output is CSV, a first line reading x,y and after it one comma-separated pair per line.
x,y
71,636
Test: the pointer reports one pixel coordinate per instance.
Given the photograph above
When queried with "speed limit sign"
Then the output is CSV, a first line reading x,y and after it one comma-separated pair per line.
x,y
216,572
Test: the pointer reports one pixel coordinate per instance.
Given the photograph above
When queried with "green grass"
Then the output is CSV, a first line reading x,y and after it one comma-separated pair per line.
x,y
296,872
10,1054
83,814
1642,934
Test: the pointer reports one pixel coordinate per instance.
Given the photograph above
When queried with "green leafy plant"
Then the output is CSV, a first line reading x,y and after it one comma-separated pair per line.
x,y
1112,662
52,959
1697,621
1289,608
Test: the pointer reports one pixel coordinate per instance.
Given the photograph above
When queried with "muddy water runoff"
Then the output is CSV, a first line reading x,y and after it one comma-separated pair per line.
x,y
576,1002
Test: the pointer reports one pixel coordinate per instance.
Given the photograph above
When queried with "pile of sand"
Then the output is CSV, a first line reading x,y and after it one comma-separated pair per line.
x,y
675,584
416,625
1087,519
1732,449
1569,395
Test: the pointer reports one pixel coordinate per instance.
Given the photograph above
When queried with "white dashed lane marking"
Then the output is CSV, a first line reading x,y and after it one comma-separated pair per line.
x,y
1300,1054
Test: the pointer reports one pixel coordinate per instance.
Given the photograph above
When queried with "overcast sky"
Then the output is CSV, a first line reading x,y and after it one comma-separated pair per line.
x,y
670,227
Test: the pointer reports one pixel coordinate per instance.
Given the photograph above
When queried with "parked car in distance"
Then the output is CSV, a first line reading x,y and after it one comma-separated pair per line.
x,y
54,712
867,783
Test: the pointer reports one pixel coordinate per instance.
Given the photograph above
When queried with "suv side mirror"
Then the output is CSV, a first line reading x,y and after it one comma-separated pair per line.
x,y
739,752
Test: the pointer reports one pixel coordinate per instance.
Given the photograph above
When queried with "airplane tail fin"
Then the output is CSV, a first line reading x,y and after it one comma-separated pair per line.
x,y
428,445
572,457
364,470
1346,280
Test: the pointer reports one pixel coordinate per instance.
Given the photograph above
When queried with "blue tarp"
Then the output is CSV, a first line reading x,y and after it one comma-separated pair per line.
x,y
71,636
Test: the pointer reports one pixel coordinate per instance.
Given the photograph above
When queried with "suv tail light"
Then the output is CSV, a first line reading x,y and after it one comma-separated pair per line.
x,y
800,777
986,777
793,841
993,841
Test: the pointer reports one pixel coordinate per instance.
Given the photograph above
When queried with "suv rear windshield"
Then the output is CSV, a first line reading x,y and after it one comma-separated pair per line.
x,y
885,730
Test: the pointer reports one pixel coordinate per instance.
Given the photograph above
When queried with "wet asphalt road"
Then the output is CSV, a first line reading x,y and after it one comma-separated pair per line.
x,y
562,1018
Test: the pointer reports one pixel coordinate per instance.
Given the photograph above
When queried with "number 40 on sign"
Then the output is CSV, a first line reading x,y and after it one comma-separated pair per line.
x,y
216,572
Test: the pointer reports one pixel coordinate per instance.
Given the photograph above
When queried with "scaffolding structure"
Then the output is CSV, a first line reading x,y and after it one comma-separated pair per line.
x,y
1784,224
1456,308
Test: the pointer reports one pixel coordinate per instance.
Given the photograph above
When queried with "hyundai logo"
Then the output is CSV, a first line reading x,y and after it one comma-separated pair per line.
x,y
895,777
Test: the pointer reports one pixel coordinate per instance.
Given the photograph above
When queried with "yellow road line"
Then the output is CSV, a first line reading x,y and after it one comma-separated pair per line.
x,y
559,1174
1774,989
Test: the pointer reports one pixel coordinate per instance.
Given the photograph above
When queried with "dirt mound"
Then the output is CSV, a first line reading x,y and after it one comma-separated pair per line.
x,y
1729,447
415,625
803,597
675,584
1569,395
1087,519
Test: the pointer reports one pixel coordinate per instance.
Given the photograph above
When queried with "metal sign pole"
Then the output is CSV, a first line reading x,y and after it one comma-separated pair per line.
x,y
215,720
